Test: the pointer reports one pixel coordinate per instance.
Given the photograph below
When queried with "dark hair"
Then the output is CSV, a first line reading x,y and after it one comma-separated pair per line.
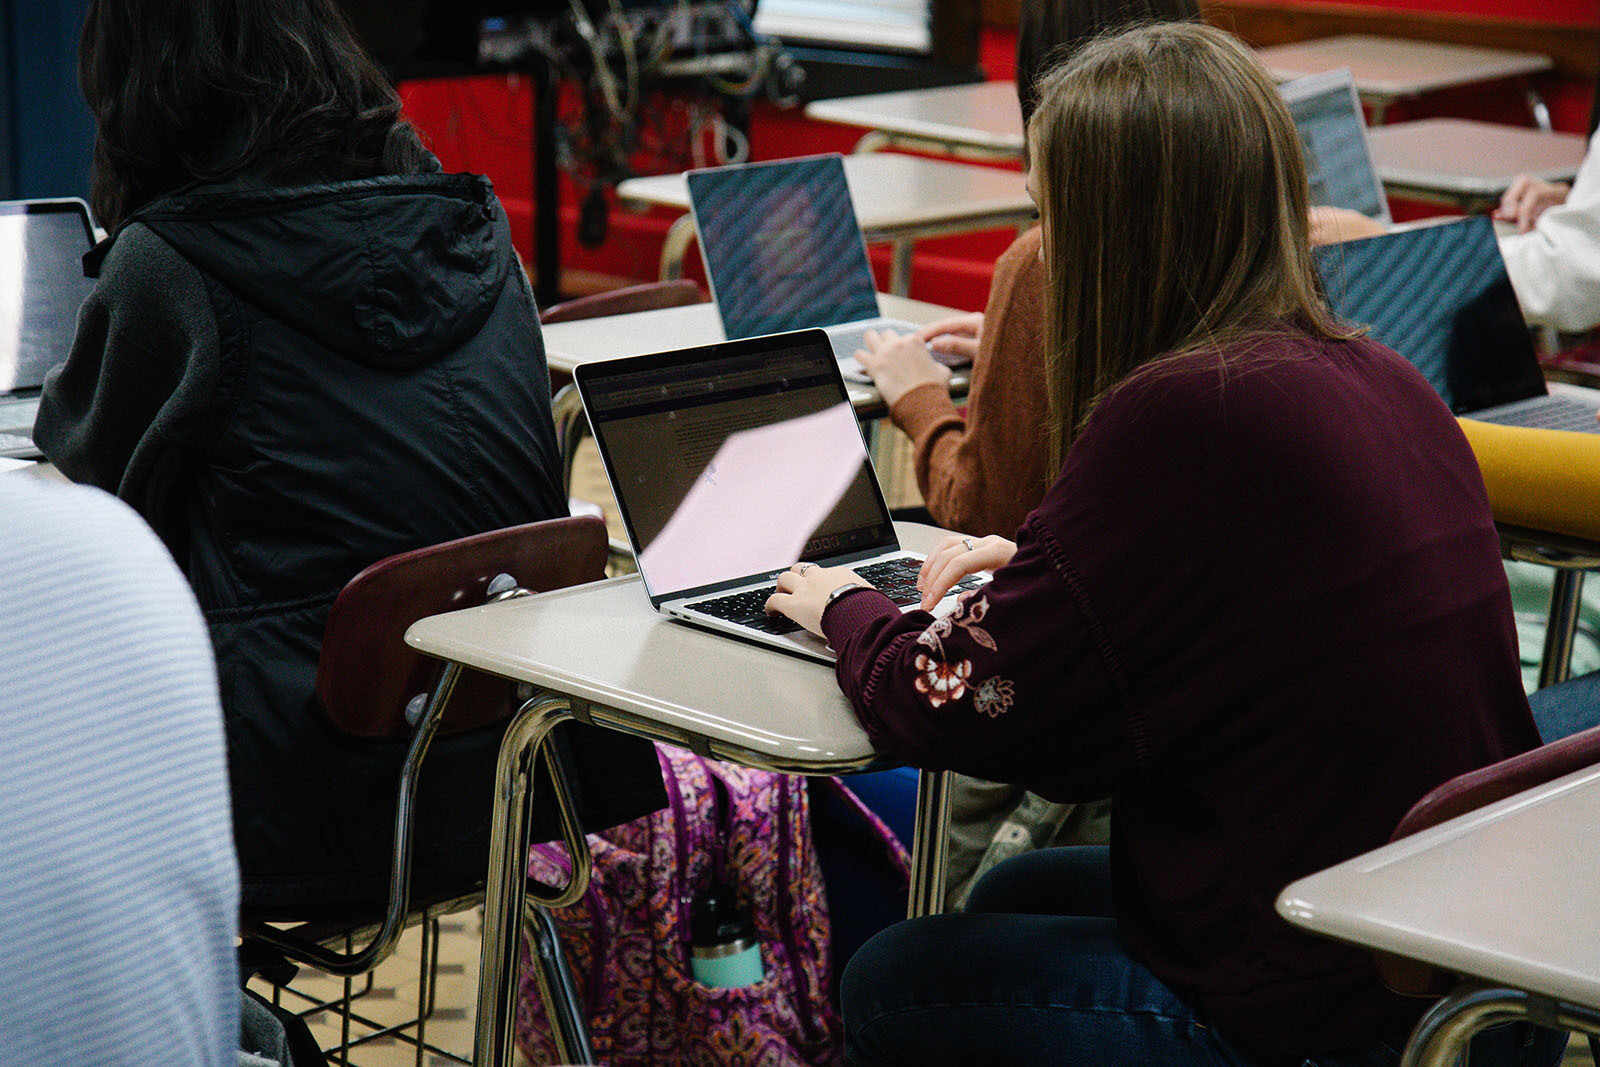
x,y
1049,31
207,90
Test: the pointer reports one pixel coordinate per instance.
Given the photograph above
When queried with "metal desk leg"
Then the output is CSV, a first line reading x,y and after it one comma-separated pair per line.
x,y
675,248
930,845
876,141
506,892
900,267
1566,598
566,409
1442,1035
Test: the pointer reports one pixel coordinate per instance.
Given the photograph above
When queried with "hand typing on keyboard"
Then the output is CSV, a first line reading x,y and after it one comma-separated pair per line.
x,y
803,590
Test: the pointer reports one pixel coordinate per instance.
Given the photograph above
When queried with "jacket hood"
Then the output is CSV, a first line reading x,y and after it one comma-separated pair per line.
x,y
392,272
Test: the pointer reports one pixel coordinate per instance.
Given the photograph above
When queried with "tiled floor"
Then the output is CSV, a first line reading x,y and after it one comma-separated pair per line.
x,y
393,998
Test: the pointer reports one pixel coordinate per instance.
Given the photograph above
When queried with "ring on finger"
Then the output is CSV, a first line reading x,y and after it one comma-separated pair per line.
x,y
967,541
801,568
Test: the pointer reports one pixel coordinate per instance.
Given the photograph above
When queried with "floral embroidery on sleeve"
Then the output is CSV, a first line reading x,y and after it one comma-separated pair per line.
x,y
994,697
940,680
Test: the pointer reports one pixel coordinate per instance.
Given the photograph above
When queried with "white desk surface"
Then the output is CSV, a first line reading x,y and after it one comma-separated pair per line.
x,y
890,192
983,115
1392,67
1508,893
604,643
1467,158
569,344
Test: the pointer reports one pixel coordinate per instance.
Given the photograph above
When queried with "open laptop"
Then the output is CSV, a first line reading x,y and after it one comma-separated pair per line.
x,y
730,463
1327,113
1439,296
783,251
42,244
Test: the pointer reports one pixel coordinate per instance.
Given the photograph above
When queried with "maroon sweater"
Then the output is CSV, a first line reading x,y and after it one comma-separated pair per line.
x,y
1263,607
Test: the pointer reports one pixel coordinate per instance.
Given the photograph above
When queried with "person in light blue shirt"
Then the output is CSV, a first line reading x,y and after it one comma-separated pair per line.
x,y
119,889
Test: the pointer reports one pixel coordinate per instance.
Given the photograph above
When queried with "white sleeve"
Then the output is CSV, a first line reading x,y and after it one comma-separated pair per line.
x,y
1555,267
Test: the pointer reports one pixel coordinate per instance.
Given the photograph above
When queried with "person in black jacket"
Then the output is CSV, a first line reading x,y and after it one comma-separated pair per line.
x,y
307,350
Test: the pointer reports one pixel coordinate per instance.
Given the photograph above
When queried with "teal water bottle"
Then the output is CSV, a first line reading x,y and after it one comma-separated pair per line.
x,y
724,952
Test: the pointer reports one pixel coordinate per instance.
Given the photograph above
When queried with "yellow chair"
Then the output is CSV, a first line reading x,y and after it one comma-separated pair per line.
x,y
1544,490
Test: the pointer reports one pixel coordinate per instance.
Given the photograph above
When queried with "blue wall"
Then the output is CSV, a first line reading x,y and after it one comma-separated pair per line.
x,y
46,135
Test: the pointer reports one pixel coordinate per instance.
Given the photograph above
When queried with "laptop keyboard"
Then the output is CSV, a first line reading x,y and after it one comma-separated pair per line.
x,y
1546,413
895,578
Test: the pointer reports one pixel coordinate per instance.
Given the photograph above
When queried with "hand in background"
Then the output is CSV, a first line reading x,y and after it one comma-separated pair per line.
x,y
1527,199
1330,225
898,363
956,338
956,558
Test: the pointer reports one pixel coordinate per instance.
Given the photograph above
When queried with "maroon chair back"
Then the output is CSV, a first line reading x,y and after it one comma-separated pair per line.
x,y
1469,792
651,296
366,674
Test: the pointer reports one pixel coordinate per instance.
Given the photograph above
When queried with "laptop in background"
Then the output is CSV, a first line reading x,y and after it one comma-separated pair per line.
x,y
783,251
1327,113
733,461
1439,296
42,244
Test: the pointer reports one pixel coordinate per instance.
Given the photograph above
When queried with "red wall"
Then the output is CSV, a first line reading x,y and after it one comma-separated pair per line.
x,y
482,125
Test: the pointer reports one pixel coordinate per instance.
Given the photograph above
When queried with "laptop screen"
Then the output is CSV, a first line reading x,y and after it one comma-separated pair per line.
x,y
42,244
42,287
1327,114
734,460
781,245
1439,296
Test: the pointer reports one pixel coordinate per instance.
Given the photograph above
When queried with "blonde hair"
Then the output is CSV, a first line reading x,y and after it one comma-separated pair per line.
x,y
1173,197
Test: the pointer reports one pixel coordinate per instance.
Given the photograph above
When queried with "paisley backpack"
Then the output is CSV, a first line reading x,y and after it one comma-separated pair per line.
x,y
628,938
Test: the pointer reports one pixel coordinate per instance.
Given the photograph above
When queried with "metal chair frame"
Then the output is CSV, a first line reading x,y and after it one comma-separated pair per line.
x,y
512,801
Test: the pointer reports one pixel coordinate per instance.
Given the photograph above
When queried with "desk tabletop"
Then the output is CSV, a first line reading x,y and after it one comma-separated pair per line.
x,y
603,643
571,344
1508,893
1467,158
890,191
982,115
1392,68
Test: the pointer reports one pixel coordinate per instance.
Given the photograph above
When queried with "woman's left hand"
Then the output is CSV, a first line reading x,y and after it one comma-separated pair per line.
x,y
803,592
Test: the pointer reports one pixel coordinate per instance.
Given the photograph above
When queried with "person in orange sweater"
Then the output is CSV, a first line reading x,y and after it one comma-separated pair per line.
x,y
983,472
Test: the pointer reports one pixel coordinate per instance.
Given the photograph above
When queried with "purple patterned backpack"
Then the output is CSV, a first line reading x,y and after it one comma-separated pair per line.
x,y
628,938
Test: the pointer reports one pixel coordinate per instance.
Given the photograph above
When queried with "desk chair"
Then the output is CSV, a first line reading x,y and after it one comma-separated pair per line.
x,y
1469,1006
1544,490
372,685
651,296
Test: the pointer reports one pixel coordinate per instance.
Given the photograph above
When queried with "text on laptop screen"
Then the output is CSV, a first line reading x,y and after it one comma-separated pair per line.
x,y
736,467
1338,162
1439,296
782,246
41,288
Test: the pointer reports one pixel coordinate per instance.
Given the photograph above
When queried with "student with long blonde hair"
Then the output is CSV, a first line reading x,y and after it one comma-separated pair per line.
x,y
1261,606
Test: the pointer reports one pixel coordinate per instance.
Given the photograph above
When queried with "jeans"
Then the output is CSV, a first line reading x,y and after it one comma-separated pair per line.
x,y
1033,973
1564,709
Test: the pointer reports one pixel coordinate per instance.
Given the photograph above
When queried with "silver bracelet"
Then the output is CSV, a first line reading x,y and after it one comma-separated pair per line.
x,y
841,591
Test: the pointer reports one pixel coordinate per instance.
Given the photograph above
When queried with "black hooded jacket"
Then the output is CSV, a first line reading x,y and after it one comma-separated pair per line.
x,y
290,384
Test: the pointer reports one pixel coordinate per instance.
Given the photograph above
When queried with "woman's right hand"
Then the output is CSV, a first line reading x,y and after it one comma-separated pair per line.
x,y
955,558
956,337
1527,199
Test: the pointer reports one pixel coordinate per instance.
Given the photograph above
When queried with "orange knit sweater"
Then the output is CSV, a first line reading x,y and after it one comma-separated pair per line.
x,y
982,474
